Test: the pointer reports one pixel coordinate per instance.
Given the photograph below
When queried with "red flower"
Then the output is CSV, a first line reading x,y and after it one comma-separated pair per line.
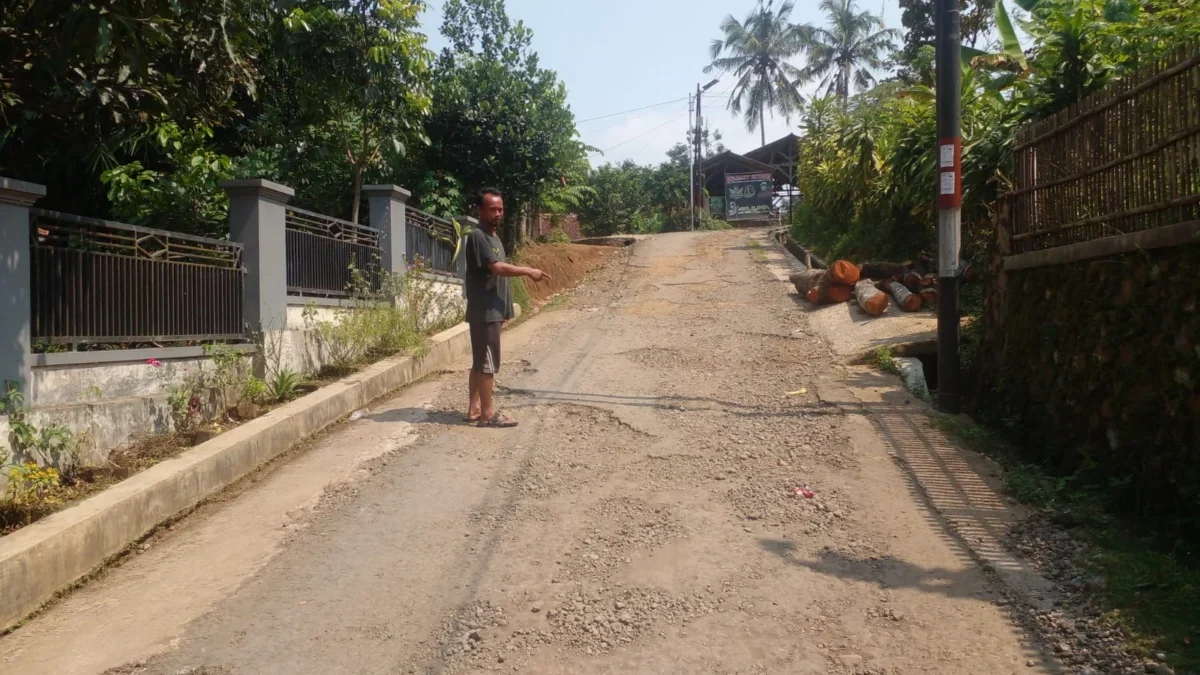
x,y
154,362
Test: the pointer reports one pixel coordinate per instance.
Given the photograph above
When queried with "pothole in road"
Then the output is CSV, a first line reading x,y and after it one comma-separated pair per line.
x,y
776,500
674,471
484,636
662,358
619,527
651,307
575,445
508,516
517,367
599,622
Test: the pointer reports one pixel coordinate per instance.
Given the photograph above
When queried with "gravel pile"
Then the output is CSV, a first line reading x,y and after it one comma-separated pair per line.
x,y
774,500
598,622
622,526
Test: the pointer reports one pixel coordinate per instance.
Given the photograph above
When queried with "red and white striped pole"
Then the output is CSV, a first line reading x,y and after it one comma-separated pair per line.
x,y
949,200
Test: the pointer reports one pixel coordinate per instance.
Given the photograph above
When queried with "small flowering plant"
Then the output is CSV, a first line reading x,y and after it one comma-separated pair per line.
x,y
183,397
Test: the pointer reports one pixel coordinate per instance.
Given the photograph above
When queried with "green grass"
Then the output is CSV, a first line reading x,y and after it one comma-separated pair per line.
x,y
557,302
1147,589
757,251
882,359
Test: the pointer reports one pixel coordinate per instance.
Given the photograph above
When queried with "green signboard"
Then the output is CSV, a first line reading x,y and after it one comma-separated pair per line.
x,y
748,195
716,206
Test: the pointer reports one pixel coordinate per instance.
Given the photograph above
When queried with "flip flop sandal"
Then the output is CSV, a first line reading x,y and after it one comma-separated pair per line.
x,y
473,419
498,421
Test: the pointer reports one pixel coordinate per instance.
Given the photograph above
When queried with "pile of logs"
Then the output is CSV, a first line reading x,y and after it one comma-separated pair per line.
x,y
873,285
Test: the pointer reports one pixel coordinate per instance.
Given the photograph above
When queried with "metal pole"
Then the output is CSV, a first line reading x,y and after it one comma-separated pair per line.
x,y
691,173
949,201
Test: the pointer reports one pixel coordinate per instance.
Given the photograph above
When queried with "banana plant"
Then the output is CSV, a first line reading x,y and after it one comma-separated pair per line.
x,y
1011,56
460,236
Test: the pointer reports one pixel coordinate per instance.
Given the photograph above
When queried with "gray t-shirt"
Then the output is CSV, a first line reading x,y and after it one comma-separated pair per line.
x,y
489,297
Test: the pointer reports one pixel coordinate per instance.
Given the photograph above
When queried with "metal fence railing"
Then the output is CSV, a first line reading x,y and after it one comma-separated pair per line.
x,y
96,281
431,238
321,250
1120,161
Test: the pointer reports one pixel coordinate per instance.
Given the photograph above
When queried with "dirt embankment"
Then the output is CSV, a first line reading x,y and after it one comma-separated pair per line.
x,y
566,264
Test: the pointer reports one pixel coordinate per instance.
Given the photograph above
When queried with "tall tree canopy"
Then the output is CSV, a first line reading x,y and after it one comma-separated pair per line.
x,y
756,52
500,118
82,85
135,110
844,54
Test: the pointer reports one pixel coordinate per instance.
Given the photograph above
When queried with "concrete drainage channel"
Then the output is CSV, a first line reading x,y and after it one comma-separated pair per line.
x,y
38,561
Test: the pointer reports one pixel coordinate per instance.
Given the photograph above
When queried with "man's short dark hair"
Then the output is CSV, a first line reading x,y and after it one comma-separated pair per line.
x,y
485,192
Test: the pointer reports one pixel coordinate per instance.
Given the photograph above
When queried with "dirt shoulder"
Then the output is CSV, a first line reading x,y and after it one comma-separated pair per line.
x,y
567,265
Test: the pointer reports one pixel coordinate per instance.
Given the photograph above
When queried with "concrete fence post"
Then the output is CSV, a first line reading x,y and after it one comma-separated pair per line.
x,y
257,210
16,337
387,205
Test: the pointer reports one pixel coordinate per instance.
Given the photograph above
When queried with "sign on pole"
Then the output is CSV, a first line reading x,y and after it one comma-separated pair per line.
x,y
749,195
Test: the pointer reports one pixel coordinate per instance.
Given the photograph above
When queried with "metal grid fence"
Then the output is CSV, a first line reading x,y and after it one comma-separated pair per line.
x,y
432,239
321,251
97,281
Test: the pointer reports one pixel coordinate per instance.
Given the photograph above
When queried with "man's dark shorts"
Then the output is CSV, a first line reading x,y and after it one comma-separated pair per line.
x,y
485,347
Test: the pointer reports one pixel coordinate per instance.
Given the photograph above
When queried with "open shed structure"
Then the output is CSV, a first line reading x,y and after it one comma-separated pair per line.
x,y
779,158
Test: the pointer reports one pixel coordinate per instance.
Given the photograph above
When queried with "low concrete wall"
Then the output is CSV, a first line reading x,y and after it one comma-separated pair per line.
x,y
88,377
37,561
300,347
108,398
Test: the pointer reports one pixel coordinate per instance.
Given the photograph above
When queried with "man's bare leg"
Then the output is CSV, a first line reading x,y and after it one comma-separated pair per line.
x,y
473,406
485,386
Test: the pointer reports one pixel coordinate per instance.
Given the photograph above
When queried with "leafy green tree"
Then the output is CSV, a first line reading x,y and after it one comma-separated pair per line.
x,y
756,52
844,55
975,18
621,196
84,85
186,194
501,119
362,88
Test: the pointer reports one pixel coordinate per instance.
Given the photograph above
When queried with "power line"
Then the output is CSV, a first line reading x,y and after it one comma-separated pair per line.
x,y
648,131
626,112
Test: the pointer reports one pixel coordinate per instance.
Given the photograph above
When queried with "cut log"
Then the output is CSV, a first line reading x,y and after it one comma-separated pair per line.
x,y
844,272
878,271
871,299
806,280
906,299
926,264
929,280
912,281
836,293
929,296
813,295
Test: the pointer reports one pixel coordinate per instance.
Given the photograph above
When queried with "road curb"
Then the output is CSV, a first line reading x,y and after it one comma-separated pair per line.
x,y
39,560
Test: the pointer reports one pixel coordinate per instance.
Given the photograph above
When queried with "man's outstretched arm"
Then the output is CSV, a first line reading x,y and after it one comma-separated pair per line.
x,y
503,269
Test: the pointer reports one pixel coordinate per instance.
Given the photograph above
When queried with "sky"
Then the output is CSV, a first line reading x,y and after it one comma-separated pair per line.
x,y
617,55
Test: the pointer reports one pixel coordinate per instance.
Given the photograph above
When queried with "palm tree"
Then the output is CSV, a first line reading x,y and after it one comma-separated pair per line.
x,y
756,52
848,50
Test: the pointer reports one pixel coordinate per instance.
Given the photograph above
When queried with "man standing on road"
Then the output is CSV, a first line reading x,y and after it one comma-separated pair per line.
x,y
489,305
